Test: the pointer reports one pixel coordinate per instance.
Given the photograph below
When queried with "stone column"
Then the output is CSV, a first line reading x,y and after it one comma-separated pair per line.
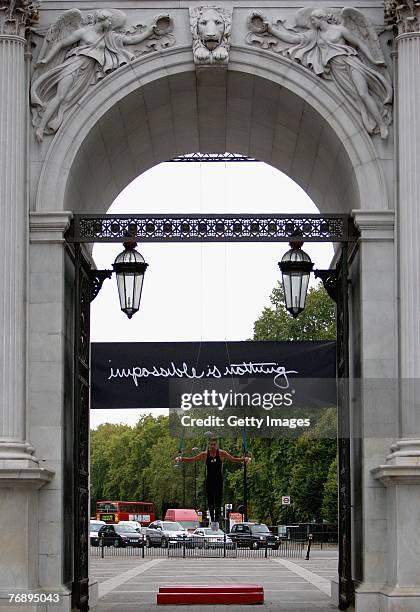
x,y
401,472
374,366
20,476
15,17
408,215
405,18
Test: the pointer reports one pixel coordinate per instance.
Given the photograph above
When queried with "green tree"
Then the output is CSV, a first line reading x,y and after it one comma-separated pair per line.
x,y
309,474
296,467
316,322
330,501
102,458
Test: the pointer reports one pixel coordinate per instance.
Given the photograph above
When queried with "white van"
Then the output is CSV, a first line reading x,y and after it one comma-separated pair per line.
x,y
94,527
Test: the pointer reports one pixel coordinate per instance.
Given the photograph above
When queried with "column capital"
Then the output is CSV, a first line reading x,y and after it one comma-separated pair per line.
x,y
403,16
376,225
392,475
16,16
48,227
28,478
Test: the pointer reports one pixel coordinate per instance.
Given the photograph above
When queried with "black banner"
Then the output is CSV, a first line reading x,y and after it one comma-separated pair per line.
x,y
142,374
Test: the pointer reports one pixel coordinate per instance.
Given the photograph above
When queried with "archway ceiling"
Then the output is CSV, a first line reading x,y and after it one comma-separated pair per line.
x,y
212,111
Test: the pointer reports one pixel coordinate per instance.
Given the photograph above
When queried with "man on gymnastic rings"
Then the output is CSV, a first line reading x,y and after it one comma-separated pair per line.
x,y
214,458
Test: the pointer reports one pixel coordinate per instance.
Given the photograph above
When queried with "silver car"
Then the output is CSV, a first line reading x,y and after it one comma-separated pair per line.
x,y
204,537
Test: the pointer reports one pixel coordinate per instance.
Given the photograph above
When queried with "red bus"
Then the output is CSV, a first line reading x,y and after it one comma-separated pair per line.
x,y
115,511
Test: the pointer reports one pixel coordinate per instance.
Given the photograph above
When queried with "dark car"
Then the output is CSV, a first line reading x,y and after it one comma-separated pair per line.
x,y
253,535
119,535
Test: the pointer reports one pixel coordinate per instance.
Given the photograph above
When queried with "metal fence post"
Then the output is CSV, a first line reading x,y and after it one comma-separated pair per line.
x,y
183,545
144,544
224,545
309,546
266,550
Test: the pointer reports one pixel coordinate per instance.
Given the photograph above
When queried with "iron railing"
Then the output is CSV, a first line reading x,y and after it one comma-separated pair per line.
x,y
188,547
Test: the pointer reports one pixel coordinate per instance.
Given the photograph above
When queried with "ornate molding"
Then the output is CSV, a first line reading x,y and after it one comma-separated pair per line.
x,y
17,16
211,28
403,16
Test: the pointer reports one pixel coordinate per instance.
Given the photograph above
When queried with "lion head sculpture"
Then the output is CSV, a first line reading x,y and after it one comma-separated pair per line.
x,y
211,27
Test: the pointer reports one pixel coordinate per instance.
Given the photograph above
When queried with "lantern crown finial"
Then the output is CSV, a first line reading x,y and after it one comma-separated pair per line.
x,y
296,241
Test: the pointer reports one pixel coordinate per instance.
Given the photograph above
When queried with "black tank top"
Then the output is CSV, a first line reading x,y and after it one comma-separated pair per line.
x,y
214,466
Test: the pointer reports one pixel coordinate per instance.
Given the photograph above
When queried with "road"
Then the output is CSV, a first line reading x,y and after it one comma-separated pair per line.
x,y
130,584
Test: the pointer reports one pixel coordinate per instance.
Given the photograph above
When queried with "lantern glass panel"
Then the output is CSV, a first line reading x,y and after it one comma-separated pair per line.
x,y
129,288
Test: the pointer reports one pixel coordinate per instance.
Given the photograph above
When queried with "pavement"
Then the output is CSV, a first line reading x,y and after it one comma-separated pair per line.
x,y
290,585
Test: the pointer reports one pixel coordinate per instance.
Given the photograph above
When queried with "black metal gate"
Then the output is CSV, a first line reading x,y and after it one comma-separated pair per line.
x,y
346,586
80,586
201,228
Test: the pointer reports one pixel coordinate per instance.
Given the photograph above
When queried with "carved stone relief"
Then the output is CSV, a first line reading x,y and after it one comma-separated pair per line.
x,y
211,27
402,16
78,51
340,45
16,16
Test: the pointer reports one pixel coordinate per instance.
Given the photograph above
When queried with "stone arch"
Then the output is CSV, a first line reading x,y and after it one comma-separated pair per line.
x,y
264,106
159,107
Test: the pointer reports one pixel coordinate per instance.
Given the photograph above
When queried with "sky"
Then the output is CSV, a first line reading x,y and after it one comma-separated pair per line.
x,y
212,291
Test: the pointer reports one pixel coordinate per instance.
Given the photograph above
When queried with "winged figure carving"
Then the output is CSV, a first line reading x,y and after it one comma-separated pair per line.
x,y
336,44
78,51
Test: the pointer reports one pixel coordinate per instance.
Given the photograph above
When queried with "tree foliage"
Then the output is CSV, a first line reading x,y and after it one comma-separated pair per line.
x,y
316,322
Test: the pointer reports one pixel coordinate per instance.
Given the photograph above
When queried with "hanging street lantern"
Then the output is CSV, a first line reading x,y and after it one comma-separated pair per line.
x,y
130,267
295,266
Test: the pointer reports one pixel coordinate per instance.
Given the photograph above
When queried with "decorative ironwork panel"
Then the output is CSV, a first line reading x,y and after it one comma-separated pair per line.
x,y
212,158
346,586
209,228
80,587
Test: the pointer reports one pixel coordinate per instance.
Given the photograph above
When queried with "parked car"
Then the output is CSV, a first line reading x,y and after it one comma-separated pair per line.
x,y
119,535
165,533
186,517
253,535
204,537
94,527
